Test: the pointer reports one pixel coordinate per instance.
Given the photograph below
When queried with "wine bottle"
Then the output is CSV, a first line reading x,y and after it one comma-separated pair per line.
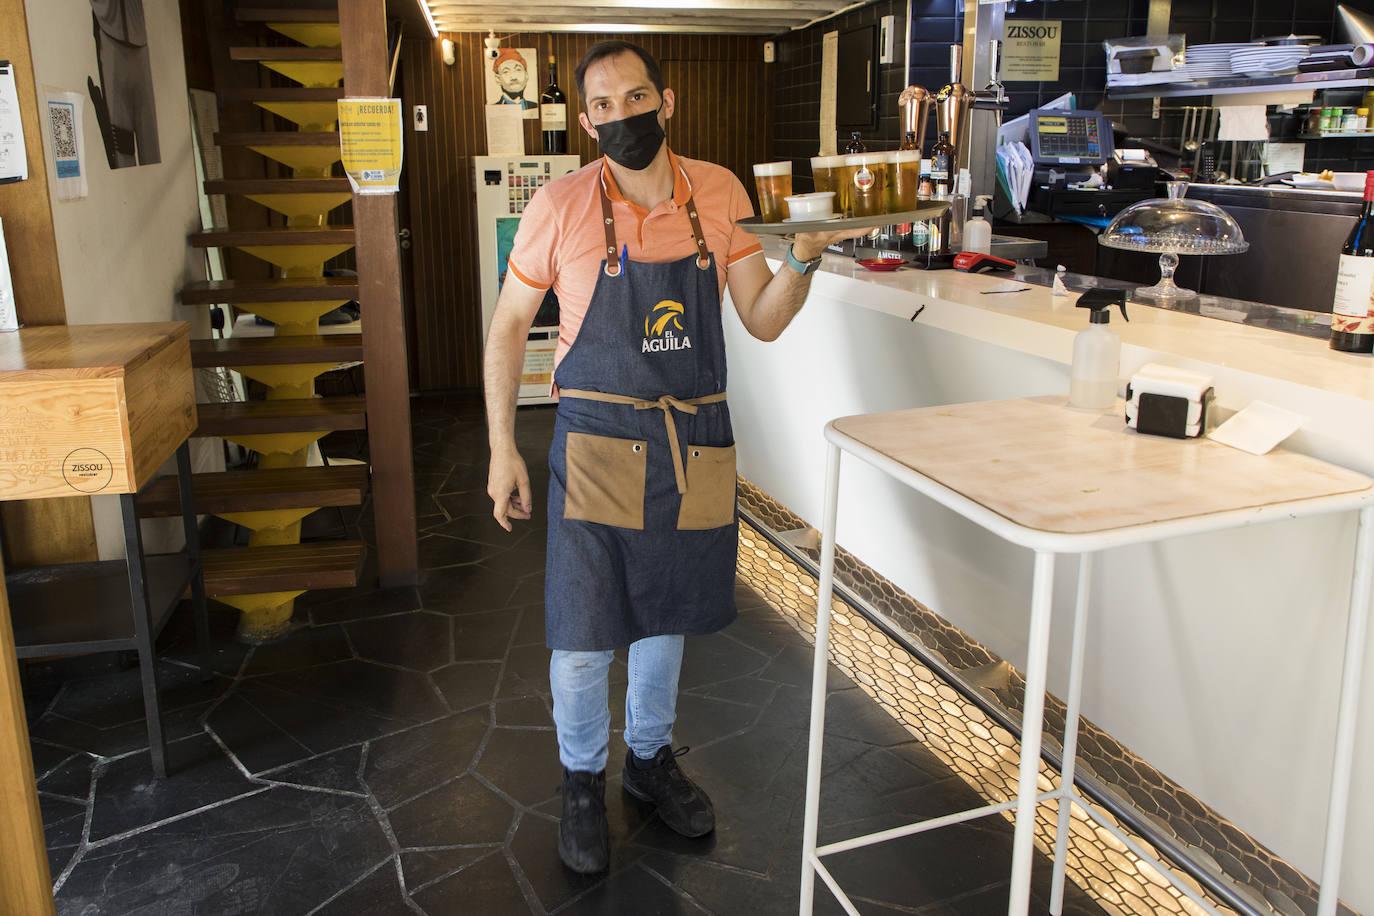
x,y
1352,313
553,113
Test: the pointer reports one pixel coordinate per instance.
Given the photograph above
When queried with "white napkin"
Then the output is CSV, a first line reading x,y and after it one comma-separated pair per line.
x,y
1257,428
1243,122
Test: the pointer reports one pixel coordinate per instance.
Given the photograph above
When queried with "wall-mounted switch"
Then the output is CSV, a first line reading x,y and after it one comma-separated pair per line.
x,y
770,52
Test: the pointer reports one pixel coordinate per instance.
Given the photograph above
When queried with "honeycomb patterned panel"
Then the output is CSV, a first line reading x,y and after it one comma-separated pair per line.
x,y
974,745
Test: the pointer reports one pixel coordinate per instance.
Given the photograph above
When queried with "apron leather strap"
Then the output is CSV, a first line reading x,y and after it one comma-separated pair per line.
x,y
612,267
667,404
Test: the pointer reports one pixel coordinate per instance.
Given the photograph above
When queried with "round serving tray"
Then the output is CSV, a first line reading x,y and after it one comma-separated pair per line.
x,y
926,211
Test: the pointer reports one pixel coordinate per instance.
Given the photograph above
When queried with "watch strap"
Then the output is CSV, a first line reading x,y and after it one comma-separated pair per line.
x,y
802,267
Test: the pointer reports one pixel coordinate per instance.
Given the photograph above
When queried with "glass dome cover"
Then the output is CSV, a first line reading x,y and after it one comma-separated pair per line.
x,y
1170,227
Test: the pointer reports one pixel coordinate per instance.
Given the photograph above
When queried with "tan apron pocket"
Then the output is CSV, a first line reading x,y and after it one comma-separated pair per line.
x,y
710,498
606,480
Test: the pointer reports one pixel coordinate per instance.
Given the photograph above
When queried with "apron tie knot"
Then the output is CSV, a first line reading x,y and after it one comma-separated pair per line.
x,y
667,403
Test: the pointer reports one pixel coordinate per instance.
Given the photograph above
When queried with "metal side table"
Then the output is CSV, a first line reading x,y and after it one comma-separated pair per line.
x,y
1064,481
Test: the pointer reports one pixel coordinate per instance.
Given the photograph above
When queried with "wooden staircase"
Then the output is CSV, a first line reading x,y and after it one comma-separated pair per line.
x,y
297,189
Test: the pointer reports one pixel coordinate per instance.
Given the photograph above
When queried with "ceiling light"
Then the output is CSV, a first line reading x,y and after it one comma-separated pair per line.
x,y
429,18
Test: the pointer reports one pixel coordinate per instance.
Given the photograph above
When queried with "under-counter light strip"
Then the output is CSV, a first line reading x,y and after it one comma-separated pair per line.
x,y
429,18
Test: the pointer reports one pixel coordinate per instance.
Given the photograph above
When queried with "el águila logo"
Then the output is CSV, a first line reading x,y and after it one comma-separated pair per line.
x,y
663,328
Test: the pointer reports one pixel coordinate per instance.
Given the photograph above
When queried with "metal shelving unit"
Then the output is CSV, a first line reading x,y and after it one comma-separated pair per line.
x,y
1235,85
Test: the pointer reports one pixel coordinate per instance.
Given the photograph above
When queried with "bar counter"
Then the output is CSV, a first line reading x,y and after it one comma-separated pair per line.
x,y
1239,672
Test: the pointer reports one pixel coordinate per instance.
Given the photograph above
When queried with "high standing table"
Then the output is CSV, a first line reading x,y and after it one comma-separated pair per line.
x,y
1058,480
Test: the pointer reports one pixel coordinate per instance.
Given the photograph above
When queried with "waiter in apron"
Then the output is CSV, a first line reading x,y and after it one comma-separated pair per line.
x,y
640,246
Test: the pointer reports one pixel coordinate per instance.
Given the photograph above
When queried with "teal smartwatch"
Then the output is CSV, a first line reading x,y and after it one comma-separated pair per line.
x,y
802,267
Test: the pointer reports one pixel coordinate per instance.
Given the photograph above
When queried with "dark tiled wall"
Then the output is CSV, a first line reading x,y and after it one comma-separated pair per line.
x,y
938,23
796,79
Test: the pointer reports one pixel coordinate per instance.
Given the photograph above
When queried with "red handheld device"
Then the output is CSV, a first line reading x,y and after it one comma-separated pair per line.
x,y
975,262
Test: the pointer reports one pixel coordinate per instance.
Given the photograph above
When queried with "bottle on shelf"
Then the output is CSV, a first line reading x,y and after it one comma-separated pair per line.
x,y
1352,313
941,162
909,141
553,113
855,145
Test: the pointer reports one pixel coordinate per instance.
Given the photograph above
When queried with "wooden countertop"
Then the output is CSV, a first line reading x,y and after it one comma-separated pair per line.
x,y
84,351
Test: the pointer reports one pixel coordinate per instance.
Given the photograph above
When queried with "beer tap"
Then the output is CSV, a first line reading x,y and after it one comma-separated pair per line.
x,y
952,105
993,96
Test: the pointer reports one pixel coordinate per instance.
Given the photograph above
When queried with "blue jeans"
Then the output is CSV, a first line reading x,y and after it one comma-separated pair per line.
x,y
581,701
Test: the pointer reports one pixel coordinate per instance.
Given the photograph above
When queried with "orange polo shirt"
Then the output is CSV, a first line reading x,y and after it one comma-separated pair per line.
x,y
561,240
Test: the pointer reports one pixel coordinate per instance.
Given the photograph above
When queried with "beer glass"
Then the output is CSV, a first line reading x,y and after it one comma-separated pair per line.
x,y
867,182
906,179
827,171
774,183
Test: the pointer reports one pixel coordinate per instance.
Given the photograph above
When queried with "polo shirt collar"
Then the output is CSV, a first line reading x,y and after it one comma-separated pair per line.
x,y
682,188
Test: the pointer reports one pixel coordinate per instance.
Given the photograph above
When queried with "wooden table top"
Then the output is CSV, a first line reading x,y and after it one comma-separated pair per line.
x,y
1049,467
73,351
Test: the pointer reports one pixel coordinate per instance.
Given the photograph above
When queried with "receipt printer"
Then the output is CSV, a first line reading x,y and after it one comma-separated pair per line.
x,y
1165,401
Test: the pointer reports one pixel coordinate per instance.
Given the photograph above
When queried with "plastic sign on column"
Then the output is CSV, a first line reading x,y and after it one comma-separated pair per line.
x,y
370,140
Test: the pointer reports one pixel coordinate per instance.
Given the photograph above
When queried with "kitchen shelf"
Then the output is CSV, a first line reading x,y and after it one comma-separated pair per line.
x,y
1334,135
75,608
1234,85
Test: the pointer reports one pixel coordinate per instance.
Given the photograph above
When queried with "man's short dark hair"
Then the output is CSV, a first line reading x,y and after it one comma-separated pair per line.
x,y
604,49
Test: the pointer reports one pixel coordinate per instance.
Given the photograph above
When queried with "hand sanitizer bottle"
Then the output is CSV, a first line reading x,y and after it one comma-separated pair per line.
x,y
1097,352
978,231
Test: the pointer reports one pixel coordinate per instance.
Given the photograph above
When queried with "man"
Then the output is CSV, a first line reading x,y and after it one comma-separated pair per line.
x,y
512,73
639,246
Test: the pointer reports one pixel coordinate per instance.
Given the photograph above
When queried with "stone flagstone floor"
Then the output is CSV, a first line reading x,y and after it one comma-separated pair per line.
x,y
396,754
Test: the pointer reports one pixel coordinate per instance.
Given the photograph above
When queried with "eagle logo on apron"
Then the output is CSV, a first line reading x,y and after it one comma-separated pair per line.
x,y
658,335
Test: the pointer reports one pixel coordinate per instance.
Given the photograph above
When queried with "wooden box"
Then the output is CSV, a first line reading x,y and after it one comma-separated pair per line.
x,y
92,408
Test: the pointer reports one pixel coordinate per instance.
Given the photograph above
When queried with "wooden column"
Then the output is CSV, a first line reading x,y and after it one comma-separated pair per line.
x,y
25,883
36,531
362,24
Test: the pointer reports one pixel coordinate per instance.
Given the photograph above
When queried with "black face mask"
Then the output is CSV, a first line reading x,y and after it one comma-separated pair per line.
x,y
632,142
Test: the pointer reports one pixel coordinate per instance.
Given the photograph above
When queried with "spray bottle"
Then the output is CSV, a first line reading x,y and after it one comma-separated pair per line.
x,y
978,231
1097,352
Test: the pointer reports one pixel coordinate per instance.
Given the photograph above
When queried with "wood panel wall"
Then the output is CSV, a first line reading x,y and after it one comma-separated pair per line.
x,y
723,115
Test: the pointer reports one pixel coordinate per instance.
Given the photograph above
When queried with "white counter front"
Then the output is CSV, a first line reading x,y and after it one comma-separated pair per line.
x,y
1235,639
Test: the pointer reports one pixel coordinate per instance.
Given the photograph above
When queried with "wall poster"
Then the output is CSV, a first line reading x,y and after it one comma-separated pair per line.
x,y
1030,51
508,80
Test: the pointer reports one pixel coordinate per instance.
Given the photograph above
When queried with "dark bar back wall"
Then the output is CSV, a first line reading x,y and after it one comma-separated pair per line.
x,y
938,23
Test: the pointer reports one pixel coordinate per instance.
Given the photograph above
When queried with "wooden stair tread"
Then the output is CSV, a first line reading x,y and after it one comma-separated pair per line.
x,y
280,94
267,14
278,138
288,415
277,351
288,567
285,53
276,185
223,238
209,292
256,491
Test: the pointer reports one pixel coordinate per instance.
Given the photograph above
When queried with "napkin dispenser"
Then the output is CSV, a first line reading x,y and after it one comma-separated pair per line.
x,y
1165,401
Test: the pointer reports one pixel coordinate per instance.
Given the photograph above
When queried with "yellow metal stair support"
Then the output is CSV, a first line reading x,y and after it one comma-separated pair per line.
x,y
304,161
296,260
265,616
310,34
270,527
302,210
313,74
293,318
287,381
312,117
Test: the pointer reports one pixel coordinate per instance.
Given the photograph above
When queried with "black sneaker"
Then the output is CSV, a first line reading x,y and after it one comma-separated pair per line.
x,y
584,842
680,802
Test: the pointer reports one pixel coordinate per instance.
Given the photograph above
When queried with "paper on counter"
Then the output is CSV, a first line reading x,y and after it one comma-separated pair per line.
x,y
1243,122
1257,428
505,130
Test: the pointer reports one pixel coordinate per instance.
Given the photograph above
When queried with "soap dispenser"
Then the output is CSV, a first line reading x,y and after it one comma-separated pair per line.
x,y
978,231
1097,352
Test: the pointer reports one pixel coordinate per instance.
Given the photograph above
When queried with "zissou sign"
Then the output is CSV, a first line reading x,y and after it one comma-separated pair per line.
x,y
1030,51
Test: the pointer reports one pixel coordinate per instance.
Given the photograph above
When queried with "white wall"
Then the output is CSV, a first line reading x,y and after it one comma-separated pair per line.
x,y
123,249
1215,657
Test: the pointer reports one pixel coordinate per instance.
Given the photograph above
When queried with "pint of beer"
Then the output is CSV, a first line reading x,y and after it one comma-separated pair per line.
x,y
867,182
774,182
827,172
905,175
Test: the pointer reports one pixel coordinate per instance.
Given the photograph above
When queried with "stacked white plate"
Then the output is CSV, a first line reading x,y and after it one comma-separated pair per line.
x,y
1264,61
1212,61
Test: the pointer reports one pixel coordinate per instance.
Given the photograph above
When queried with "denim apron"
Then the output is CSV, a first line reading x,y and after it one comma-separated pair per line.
x,y
642,524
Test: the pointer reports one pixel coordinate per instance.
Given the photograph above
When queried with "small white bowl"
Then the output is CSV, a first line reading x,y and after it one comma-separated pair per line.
x,y
1348,181
817,205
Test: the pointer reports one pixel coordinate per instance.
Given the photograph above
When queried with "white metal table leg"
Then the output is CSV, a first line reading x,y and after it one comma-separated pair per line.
x,y
1356,628
818,678
1066,768
1032,721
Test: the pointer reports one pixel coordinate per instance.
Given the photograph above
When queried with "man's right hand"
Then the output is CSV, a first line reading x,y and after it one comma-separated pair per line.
x,y
508,485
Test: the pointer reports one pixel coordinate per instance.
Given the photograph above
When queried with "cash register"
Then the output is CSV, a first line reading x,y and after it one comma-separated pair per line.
x,y
1068,147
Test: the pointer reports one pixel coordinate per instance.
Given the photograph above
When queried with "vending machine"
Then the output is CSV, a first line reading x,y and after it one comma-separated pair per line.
x,y
505,185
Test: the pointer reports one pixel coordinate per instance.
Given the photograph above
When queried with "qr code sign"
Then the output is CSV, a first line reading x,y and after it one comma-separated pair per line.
x,y
63,131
